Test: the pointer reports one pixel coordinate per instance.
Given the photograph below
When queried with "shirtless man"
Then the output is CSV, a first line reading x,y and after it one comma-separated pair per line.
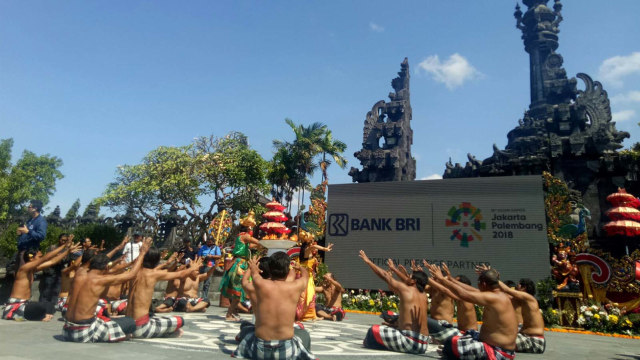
x,y
531,337
499,327
188,300
141,295
18,307
332,290
173,289
81,324
411,334
275,309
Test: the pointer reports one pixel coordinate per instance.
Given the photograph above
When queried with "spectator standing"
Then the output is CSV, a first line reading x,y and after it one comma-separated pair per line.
x,y
31,234
132,249
210,252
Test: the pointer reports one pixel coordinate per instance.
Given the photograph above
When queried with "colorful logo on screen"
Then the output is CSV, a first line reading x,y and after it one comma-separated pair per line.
x,y
466,221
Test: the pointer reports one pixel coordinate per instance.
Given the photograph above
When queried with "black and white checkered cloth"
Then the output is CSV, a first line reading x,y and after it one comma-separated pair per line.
x,y
446,330
60,305
14,309
119,306
97,331
469,347
157,326
405,341
530,344
252,347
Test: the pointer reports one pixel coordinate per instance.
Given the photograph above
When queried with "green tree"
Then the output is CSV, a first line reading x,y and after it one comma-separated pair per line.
x,y
334,149
72,213
31,177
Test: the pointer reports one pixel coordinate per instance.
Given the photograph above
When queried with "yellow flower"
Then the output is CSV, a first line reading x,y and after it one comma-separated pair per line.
x,y
613,319
353,300
371,302
554,311
395,306
596,316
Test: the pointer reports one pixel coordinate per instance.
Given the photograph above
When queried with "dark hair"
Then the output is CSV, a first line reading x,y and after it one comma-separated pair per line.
x,y
32,252
87,255
151,258
36,204
528,286
263,264
279,265
62,235
490,277
510,284
421,278
99,262
463,279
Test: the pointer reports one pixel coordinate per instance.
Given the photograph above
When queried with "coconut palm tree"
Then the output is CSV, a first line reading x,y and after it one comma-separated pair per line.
x,y
334,149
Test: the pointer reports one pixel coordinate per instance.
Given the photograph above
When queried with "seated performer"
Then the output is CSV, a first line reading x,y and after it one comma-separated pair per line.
x,y
411,334
531,337
497,336
332,291
18,307
188,300
141,295
275,308
65,282
81,323
174,287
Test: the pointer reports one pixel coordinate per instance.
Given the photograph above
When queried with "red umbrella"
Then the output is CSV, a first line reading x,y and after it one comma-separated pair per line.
x,y
275,216
622,227
274,205
274,227
622,198
624,213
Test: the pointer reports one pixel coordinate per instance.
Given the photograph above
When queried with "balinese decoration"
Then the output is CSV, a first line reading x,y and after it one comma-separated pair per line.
x,y
624,215
273,225
220,227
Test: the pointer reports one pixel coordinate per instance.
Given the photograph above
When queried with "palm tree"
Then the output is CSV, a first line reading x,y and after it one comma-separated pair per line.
x,y
333,148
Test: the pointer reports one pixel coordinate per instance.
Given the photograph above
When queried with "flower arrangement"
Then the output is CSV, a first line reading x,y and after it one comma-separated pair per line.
x,y
608,319
372,301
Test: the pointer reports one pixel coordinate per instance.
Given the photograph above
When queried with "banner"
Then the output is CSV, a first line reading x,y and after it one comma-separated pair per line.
x,y
499,221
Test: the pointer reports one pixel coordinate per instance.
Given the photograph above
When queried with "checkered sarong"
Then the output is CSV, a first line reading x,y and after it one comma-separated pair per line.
x,y
97,331
61,304
252,347
157,326
119,306
405,341
530,344
14,309
448,331
469,346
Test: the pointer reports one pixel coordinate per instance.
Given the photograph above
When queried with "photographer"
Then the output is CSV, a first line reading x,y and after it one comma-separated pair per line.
x,y
31,234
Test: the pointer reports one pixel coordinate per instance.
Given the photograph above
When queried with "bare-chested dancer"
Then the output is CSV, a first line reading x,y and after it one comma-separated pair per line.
x,y
411,334
497,337
141,295
442,329
188,299
531,337
18,307
174,287
275,309
332,291
81,324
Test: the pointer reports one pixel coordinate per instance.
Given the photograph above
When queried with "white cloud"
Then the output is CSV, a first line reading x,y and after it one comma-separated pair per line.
x,y
623,115
375,27
453,72
432,177
630,97
613,70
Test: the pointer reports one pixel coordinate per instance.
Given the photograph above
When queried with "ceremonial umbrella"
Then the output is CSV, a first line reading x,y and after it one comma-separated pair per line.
x,y
274,205
622,198
275,216
274,227
622,227
624,213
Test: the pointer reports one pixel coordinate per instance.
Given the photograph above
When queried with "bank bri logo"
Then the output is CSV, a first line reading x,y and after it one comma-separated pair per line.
x,y
338,224
463,218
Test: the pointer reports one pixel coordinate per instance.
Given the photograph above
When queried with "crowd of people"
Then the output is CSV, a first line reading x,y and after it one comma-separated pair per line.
x,y
107,296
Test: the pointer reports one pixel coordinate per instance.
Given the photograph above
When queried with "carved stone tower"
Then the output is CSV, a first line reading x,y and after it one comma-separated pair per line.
x,y
386,144
566,131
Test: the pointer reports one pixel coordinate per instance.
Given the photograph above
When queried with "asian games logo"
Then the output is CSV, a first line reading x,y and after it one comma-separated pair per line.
x,y
466,221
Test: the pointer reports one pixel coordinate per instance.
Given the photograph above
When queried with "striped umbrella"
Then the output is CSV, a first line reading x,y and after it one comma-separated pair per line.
x,y
624,213
622,227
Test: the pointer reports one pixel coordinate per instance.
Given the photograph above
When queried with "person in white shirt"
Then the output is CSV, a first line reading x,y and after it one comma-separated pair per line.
x,y
132,249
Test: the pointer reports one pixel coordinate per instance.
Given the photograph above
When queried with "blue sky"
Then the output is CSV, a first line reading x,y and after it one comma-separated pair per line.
x,y
101,83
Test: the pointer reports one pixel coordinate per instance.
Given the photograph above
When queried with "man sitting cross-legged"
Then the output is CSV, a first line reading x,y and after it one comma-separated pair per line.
x,y
497,336
275,310
411,334
141,295
531,337
174,287
188,300
332,291
18,307
81,323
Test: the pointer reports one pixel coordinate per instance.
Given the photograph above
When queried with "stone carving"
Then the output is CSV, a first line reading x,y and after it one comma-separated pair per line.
x,y
566,131
387,139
